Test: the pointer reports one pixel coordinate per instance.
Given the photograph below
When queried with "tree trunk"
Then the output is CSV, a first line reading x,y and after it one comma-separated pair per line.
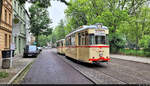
x,y
37,40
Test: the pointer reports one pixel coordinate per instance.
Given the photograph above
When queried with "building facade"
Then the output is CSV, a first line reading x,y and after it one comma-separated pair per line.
x,y
5,25
28,34
19,27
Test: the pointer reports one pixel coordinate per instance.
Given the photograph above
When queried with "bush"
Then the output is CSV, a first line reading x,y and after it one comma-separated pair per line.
x,y
134,52
3,75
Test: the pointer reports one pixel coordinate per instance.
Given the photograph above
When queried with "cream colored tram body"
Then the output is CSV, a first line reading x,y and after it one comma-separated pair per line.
x,y
61,46
88,44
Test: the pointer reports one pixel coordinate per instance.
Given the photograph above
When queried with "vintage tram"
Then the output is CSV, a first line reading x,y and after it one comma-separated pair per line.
x,y
60,46
88,44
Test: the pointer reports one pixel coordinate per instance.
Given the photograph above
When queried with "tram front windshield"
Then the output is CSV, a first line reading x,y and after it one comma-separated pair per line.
x,y
96,39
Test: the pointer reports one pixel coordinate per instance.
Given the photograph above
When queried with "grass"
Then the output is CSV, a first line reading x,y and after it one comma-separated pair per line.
x,y
3,75
135,52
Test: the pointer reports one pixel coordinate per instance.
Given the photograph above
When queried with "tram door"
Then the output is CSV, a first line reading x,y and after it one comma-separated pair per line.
x,y
82,50
78,44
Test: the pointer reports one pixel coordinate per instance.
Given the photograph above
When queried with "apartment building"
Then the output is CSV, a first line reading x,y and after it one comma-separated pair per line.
x,y
5,25
19,27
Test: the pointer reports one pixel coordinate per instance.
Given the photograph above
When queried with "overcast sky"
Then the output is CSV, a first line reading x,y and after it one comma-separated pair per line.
x,y
56,11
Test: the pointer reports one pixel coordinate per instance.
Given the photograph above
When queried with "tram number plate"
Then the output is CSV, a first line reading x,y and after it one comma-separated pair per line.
x,y
100,32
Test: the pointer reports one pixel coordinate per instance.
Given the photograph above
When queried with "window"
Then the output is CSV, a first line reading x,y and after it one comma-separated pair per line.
x,y
5,40
9,18
57,44
73,39
6,16
15,42
61,43
18,10
9,40
15,4
86,38
91,39
83,38
100,39
79,39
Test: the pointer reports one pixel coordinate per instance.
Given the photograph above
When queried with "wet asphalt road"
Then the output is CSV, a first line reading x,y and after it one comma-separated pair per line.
x,y
50,69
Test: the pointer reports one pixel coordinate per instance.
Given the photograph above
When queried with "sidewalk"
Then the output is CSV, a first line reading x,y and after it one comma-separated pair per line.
x,y
131,58
18,64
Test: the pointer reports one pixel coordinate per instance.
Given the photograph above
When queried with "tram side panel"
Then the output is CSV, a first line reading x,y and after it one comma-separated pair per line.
x,y
83,53
71,52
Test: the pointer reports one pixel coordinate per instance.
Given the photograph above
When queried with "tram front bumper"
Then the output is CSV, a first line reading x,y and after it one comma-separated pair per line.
x,y
100,59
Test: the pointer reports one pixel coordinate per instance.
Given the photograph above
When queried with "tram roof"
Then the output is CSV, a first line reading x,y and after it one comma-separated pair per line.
x,y
60,40
84,27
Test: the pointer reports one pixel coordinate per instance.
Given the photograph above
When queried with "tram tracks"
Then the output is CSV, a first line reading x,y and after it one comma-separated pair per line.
x,y
94,76
139,74
110,75
77,70
123,76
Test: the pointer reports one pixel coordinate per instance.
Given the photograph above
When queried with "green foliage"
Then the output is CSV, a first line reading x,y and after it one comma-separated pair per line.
x,y
43,40
40,3
127,20
3,75
135,52
145,41
58,33
39,22
59,30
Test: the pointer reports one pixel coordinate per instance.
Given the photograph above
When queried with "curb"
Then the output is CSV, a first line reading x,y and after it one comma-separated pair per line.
x,y
10,81
131,60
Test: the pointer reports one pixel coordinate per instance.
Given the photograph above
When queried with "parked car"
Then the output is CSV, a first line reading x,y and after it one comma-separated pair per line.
x,y
39,49
30,50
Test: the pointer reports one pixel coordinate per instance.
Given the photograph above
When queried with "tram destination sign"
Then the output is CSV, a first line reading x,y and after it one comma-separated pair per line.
x,y
100,32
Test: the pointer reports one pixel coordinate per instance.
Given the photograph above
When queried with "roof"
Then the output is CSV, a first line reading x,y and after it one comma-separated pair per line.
x,y
87,27
60,40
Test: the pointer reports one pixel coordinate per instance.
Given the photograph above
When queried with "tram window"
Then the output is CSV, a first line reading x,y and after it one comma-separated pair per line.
x,y
107,40
66,42
73,39
91,39
70,40
61,43
83,38
79,39
57,44
86,38
100,39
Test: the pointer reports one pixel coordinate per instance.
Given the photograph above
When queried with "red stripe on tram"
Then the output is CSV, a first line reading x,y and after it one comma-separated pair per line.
x,y
88,46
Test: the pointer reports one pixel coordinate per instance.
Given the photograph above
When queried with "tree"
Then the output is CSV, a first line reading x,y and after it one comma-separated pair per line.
x,y
41,3
59,31
120,16
39,22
